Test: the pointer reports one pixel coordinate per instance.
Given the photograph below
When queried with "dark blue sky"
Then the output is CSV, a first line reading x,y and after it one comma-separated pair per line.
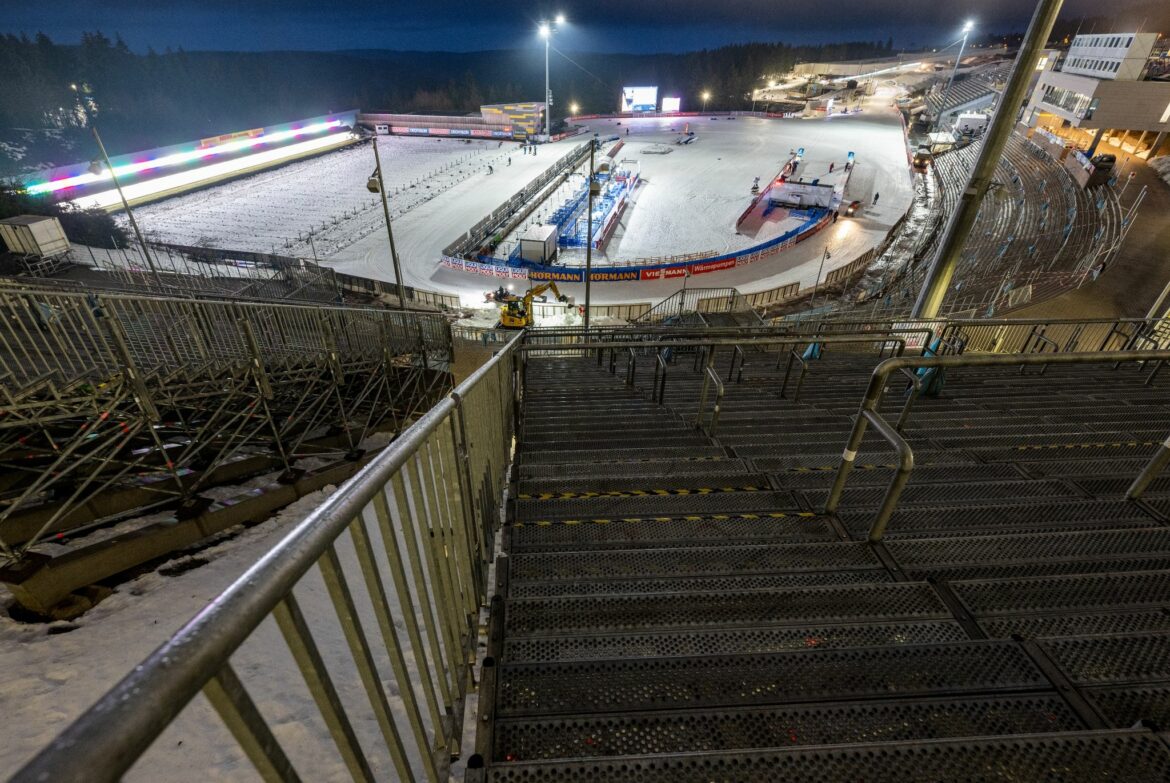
x,y
468,25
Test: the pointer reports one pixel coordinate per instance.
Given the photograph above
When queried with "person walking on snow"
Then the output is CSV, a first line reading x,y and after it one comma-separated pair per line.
x,y
489,170
876,196
831,166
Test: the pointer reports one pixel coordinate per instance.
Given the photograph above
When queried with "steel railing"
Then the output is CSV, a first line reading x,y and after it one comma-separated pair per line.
x,y
432,495
868,414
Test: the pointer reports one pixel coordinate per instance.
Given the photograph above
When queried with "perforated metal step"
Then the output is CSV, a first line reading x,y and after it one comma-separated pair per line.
x,y
790,606
661,532
778,727
1125,706
582,688
985,493
681,502
1084,624
1040,568
1095,660
973,520
612,456
694,584
875,475
714,475
649,563
728,642
681,466
1116,487
1065,593
1031,548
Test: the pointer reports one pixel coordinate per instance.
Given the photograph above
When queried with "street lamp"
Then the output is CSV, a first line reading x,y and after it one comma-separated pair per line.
x,y
706,97
967,28
379,185
573,109
96,168
546,31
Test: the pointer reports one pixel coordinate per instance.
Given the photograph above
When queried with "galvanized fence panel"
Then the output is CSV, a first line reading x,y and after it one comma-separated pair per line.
x,y
418,521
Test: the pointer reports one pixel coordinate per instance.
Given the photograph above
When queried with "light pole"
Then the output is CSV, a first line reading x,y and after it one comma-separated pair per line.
x,y
118,187
389,230
546,32
817,283
594,189
947,90
706,97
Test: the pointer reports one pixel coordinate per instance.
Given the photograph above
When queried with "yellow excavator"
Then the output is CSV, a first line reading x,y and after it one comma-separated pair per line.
x,y
517,313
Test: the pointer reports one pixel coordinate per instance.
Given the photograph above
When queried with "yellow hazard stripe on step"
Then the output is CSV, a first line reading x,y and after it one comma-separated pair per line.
x,y
826,468
1111,445
691,518
636,493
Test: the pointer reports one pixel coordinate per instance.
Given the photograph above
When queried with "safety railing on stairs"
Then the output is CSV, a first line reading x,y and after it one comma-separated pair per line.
x,y
406,545
869,415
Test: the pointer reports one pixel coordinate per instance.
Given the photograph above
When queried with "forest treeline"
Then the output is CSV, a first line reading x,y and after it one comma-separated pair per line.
x,y
158,98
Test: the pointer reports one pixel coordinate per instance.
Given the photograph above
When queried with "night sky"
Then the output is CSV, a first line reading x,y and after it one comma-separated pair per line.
x,y
471,25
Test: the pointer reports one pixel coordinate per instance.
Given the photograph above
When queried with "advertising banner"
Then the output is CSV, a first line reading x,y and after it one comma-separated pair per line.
x,y
818,220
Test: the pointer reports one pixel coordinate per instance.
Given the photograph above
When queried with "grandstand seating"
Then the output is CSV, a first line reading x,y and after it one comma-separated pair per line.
x,y
983,84
677,606
1037,234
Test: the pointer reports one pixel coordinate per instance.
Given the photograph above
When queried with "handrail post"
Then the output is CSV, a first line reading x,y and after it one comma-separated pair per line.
x,y
1150,472
793,355
714,376
658,392
915,390
877,528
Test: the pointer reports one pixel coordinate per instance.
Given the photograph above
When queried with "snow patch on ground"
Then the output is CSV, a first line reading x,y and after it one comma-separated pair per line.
x,y
1162,166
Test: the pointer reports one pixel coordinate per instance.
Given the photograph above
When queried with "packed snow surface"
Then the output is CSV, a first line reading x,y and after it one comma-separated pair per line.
x,y
687,203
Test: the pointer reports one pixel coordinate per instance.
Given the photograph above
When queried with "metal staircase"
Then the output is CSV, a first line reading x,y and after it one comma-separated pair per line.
x,y
675,605
988,598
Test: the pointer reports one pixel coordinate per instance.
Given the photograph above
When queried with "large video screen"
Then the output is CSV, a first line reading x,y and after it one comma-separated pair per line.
x,y
671,104
639,99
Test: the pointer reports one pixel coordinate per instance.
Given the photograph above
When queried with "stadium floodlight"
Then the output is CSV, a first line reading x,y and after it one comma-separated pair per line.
x,y
706,97
967,28
573,109
546,30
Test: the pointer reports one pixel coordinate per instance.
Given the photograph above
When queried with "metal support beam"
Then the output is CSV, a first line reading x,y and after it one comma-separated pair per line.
x,y
938,278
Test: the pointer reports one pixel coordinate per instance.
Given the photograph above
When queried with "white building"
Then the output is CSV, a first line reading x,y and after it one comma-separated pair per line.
x,y
1101,91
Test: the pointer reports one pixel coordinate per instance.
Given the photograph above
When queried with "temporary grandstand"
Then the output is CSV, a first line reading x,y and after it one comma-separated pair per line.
x,y
973,90
1038,234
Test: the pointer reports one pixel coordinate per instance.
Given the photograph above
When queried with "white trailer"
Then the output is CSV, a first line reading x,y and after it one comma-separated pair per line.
x,y
36,236
971,123
539,244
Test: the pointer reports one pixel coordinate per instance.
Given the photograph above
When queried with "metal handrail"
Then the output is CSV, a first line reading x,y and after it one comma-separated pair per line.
x,y
658,392
431,484
868,414
738,352
631,366
794,356
710,376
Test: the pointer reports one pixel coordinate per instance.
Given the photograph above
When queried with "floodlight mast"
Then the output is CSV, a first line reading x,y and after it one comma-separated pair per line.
x,y
967,28
962,220
546,30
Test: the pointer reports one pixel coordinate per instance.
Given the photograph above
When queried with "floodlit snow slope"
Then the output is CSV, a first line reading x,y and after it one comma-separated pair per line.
x,y
688,202
275,211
